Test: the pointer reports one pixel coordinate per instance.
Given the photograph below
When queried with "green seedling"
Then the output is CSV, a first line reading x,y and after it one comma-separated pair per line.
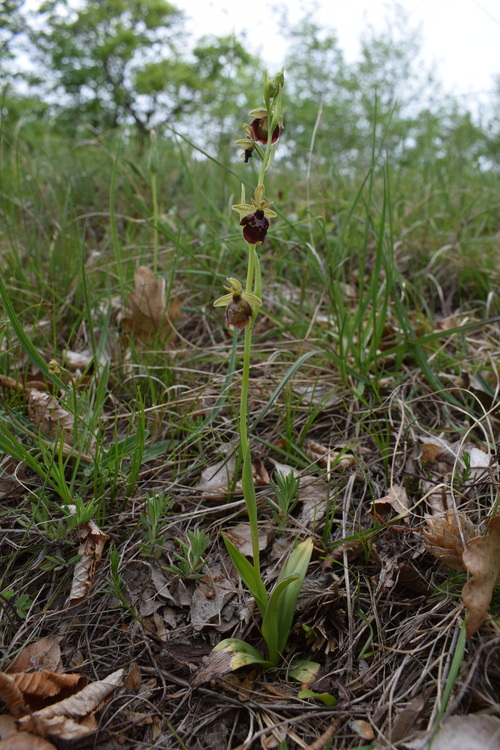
x,y
190,561
157,506
286,489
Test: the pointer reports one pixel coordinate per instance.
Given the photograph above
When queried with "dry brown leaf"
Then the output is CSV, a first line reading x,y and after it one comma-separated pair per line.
x,y
215,479
328,457
482,559
445,537
469,732
12,739
42,654
46,412
72,718
396,498
210,603
149,314
362,728
241,536
407,717
92,541
34,690
133,680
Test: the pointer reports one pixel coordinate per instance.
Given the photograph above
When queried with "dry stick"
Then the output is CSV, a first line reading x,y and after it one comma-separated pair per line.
x,y
345,516
320,743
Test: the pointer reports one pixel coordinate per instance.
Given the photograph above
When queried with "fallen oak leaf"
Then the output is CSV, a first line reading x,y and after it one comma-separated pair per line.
x,y
396,498
482,560
12,739
42,654
92,541
73,717
445,536
150,315
31,691
46,412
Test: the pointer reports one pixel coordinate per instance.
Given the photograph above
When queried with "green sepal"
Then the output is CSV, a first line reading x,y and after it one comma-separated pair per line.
x,y
223,301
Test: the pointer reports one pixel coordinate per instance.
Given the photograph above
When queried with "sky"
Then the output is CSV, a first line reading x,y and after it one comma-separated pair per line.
x,y
461,38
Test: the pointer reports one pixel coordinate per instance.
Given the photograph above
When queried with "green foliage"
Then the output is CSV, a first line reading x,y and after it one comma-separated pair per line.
x,y
286,487
190,561
278,608
157,506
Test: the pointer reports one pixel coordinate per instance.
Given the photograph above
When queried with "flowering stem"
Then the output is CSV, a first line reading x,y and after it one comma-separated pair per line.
x,y
248,485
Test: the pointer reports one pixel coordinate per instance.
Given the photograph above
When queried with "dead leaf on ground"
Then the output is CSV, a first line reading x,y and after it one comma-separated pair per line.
x,y
396,498
42,654
92,541
150,315
46,412
30,691
12,739
211,602
482,559
445,537
215,479
328,457
73,717
470,732
241,536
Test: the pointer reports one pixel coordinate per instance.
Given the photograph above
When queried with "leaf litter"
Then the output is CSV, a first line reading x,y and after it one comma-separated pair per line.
x,y
372,603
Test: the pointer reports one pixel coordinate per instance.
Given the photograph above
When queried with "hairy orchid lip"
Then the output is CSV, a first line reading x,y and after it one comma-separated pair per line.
x,y
261,132
255,227
238,312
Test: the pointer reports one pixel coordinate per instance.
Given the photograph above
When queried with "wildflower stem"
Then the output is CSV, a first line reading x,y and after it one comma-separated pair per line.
x,y
248,485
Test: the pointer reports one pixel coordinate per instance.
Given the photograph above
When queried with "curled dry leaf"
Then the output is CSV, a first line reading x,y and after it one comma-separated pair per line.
x,y
22,692
445,537
482,559
396,498
328,457
92,541
12,739
149,313
73,717
46,412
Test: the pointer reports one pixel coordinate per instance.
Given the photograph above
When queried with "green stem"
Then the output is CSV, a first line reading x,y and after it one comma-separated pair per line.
x,y
248,486
156,239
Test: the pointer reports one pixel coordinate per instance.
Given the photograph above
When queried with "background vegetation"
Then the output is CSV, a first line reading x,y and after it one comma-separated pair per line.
x,y
379,336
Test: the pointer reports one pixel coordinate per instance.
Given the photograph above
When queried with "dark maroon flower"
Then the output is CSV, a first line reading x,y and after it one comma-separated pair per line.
x,y
238,312
255,227
261,132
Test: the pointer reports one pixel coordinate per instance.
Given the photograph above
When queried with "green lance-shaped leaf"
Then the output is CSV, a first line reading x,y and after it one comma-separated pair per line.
x,y
249,575
271,629
296,565
278,617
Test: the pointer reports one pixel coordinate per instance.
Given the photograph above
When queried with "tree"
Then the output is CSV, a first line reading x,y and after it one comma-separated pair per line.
x,y
114,62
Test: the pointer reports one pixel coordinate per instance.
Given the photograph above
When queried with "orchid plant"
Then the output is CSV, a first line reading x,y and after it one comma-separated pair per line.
x,y
242,307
